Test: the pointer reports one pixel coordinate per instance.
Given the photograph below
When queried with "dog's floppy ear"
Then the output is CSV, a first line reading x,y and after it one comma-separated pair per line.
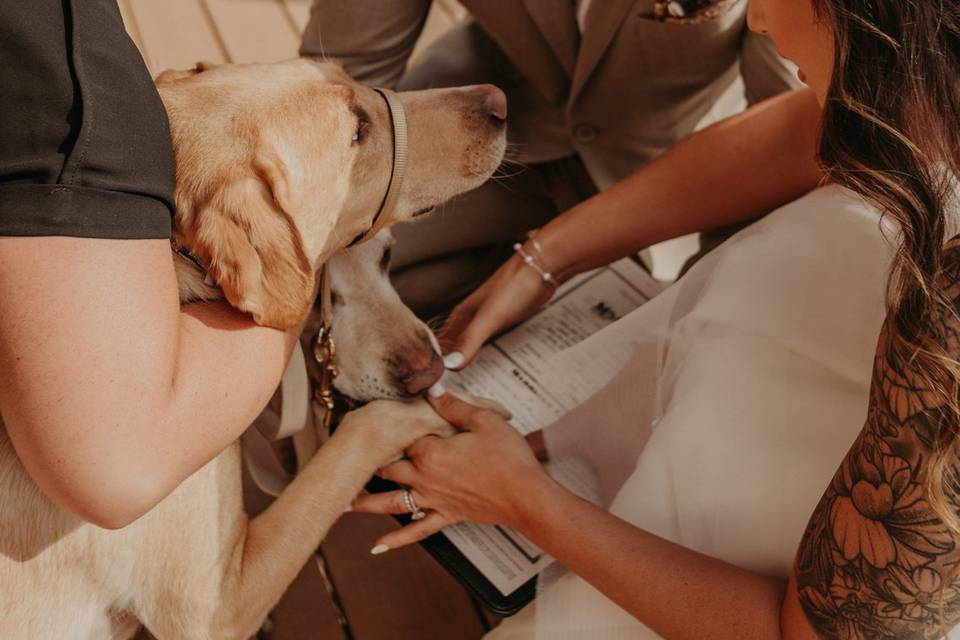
x,y
172,75
254,250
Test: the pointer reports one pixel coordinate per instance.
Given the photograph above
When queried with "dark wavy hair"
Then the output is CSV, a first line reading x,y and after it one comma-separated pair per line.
x,y
891,132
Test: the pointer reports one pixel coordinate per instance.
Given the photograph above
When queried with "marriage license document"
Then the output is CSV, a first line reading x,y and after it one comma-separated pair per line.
x,y
518,369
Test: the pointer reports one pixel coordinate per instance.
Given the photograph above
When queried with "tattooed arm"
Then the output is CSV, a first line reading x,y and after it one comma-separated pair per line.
x,y
876,561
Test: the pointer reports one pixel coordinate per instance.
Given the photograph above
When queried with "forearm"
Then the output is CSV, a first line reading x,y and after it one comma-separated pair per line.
x,y
226,369
372,39
196,392
737,170
113,395
677,592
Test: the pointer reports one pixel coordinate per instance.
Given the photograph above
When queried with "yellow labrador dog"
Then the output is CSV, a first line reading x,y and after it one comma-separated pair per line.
x,y
279,166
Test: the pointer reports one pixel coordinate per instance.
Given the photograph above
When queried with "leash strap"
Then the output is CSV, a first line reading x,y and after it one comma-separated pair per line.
x,y
294,420
294,400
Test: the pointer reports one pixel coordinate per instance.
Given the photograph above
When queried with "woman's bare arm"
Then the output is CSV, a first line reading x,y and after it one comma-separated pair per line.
x,y
112,394
737,170
876,560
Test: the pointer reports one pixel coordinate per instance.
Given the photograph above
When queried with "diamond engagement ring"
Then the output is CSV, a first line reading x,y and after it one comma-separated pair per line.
x,y
416,513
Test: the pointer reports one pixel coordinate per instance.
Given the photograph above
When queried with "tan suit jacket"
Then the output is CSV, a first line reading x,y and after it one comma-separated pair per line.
x,y
619,95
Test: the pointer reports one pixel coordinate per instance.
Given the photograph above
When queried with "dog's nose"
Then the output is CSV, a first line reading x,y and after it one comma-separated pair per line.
x,y
494,102
420,373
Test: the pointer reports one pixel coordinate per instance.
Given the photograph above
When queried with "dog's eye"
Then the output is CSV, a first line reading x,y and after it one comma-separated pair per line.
x,y
361,132
385,259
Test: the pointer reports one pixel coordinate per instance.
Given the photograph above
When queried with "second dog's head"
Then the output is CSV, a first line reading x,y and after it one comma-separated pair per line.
x,y
383,349
281,165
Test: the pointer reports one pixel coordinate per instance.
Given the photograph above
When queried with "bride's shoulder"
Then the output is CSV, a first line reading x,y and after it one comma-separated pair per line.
x,y
878,556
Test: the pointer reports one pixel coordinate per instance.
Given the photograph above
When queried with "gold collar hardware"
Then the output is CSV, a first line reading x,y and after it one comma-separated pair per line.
x,y
325,351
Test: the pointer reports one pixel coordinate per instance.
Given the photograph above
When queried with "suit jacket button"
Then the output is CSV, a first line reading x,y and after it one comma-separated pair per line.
x,y
585,133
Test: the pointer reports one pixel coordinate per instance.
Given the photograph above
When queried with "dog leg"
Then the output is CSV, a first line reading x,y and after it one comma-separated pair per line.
x,y
279,541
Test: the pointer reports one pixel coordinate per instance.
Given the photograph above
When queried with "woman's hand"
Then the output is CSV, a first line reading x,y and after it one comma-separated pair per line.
x,y
512,294
486,474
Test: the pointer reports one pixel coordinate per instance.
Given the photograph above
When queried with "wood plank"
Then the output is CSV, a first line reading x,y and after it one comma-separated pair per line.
x,y
176,34
403,593
254,30
299,12
306,611
133,29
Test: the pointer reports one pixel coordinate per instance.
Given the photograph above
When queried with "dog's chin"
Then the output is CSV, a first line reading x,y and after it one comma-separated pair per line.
x,y
354,398
483,164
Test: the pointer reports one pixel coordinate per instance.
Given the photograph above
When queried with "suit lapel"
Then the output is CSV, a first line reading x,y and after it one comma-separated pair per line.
x,y
557,20
513,28
604,18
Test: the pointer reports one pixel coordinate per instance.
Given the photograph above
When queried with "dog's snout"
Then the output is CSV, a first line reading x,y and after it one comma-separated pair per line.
x,y
494,103
420,372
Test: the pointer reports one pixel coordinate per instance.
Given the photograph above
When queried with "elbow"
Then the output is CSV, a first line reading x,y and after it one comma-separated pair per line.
x,y
116,514
108,501
98,480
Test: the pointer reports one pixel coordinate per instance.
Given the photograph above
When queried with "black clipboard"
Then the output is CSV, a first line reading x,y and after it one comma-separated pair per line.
x,y
457,565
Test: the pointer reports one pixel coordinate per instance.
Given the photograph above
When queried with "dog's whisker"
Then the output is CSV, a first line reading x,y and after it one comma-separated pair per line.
x,y
504,176
436,322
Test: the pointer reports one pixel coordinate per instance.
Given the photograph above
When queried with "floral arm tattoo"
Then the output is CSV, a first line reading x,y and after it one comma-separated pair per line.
x,y
876,561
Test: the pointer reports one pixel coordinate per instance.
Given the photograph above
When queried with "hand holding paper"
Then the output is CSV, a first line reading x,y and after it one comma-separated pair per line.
x,y
517,369
512,294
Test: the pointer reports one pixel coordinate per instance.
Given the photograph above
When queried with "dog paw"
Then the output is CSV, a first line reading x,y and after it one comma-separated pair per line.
x,y
390,426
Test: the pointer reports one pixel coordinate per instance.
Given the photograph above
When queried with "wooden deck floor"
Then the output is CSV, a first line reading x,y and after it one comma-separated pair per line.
x,y
346,594
176,34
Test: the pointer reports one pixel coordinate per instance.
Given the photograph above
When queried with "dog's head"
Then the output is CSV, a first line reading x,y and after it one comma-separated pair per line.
x,y
383,350
281,165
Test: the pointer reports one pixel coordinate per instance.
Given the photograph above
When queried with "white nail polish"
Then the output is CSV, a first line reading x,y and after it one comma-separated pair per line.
x,y
453,360
380,548
437,390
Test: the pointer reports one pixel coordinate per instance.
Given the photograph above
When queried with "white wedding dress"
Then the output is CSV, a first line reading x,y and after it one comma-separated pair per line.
x,y
743,387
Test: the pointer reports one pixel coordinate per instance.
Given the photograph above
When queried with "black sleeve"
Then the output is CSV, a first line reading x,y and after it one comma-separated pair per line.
x,y
84,139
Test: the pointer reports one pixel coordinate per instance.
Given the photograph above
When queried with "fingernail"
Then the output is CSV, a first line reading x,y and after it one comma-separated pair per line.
x,y
453,360
348,509
380,548
437,390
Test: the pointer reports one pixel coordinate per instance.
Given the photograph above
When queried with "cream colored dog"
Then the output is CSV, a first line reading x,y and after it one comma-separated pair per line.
x,y
279,166
383,349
